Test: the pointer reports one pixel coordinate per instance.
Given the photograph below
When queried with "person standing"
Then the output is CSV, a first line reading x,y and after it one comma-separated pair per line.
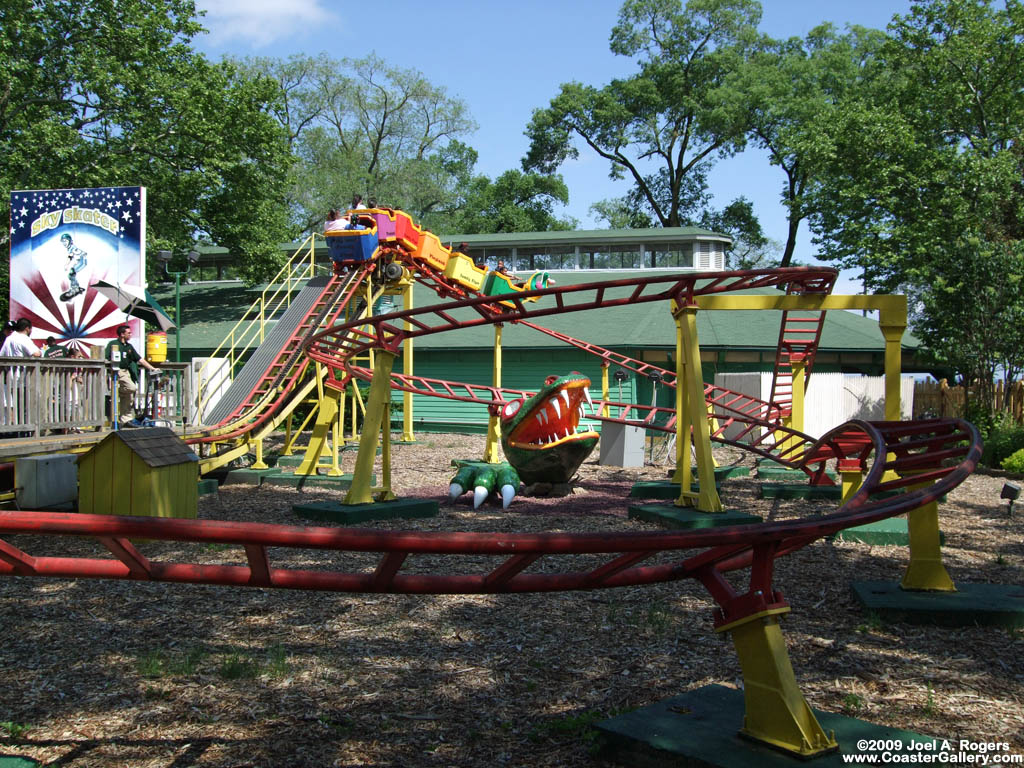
x,y
15,394
18,344
126,361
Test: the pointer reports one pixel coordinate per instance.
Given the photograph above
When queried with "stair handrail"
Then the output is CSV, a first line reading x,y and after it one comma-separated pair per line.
x,y
275,297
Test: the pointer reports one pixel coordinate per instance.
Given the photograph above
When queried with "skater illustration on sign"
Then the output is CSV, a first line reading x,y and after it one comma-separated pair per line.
x,y
75,263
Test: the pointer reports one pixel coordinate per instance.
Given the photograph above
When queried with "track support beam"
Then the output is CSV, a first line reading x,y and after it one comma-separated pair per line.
x,y
377,416
776,713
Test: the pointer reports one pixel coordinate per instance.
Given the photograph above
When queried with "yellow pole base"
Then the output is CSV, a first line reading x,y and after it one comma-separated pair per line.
x,y
776,713
925,573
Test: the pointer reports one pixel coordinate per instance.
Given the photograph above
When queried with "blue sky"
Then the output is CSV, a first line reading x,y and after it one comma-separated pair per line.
x,y
507,59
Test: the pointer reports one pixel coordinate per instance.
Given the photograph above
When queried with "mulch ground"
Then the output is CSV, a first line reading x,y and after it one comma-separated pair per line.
x,y
146,675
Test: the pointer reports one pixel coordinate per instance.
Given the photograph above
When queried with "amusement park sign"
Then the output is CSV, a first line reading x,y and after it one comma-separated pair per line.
x,y
62,242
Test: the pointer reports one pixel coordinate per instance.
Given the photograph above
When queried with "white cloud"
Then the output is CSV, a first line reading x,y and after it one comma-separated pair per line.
x,y
261,22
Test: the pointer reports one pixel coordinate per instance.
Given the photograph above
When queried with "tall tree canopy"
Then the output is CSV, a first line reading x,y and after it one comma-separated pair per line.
x,y
360,126
920,182
108,93
661,127
795,87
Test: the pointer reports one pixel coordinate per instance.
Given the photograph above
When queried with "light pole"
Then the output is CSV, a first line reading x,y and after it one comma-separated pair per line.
x,y
165,257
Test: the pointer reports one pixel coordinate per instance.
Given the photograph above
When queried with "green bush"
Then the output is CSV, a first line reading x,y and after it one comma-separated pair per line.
x,y
1004,438
1014,462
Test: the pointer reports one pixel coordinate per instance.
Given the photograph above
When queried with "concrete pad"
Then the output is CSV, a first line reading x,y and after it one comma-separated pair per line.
x,y
700,728
671,516
349,514
991,605
248,476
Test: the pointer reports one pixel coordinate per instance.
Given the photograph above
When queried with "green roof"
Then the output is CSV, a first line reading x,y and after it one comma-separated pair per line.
x,y
211,310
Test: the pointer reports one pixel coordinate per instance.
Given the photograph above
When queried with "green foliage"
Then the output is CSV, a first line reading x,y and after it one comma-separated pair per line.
x,y
662,126
918,180
238,667
109,93
14,730
1002,439
363,126
852,703
1014,462
514,202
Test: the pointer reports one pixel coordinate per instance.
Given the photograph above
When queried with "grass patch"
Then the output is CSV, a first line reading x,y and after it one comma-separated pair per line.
x,y
238,667
14,730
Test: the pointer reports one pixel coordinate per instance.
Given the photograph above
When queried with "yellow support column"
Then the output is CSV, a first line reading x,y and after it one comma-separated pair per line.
x,y
795,419
683,474
892,325
407,433
605,365
361,491
776,712
688,375
491,453
925,572
336,428
259,463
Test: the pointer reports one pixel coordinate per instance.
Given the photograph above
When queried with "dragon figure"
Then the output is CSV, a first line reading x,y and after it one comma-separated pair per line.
x,y
541,439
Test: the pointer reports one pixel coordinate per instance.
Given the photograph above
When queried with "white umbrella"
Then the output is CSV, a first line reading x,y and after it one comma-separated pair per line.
x,y
136,301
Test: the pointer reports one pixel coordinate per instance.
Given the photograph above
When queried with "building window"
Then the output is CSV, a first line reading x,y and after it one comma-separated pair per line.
x,y
672,255
551,257
609,257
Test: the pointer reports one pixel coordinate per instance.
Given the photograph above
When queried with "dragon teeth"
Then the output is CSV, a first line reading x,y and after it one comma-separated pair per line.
x,y
558,411
586,392
565,394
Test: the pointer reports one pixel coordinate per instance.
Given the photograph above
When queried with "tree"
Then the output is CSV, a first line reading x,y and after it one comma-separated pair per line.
x,y
514,202
920,179
109,93
796,87
750,247
362,126
663,126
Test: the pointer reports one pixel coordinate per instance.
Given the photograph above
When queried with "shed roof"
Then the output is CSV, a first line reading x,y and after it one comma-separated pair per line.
x,y
157,446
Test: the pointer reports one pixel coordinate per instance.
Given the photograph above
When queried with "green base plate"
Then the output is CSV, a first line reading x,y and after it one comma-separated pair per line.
x,y
13,761
348,514
671,516
660,490
700,728
779,472
790,491
991,605
892,532
207,486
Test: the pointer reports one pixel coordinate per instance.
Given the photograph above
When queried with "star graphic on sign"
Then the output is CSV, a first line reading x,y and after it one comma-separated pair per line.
x,y
23,211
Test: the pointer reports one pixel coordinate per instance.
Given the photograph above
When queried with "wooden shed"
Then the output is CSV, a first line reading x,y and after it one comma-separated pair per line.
x,y
149,472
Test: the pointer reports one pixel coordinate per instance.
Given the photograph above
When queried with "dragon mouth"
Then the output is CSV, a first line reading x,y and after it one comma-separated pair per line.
x,y
552,420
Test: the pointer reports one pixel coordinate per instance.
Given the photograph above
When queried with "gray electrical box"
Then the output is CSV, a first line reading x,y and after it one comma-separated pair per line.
x,y
46,481
622,445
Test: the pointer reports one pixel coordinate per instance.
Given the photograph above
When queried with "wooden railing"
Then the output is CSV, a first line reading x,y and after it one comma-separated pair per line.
x,y
44,395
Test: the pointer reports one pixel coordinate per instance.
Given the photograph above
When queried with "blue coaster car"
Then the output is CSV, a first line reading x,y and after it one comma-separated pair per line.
x,y
351,246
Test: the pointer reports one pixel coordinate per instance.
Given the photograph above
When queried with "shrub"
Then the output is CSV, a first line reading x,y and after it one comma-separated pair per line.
x,y
1002,439
1014,462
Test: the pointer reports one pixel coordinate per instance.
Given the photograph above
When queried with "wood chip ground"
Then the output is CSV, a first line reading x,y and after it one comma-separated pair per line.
x,y
136,675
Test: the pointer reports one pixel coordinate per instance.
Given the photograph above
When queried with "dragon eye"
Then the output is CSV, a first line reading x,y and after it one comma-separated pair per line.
x,y
511,409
